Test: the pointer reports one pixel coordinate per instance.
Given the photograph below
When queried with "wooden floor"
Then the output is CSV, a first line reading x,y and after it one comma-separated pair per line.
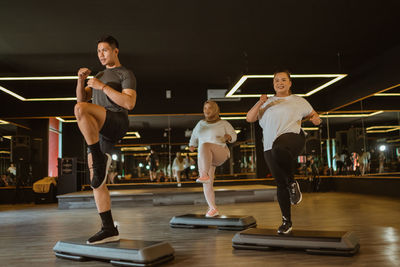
x,y
29,232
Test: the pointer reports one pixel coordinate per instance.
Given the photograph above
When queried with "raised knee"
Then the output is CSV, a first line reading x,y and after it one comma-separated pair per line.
x,y
80,109
205,145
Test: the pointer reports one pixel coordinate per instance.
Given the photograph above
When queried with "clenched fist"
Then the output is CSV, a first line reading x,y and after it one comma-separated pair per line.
x,y
83,73
263,98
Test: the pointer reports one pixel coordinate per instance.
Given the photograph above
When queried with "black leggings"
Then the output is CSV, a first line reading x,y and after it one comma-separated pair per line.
x,y
281,162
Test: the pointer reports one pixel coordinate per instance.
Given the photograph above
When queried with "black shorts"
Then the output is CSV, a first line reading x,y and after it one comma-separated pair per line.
x,y
115,127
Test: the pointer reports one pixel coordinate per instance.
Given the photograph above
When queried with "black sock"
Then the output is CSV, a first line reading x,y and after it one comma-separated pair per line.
x,y
97,155
106,219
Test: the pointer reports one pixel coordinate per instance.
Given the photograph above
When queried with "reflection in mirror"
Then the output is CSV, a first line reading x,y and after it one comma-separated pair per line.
x,y
159,151
364,137
7,130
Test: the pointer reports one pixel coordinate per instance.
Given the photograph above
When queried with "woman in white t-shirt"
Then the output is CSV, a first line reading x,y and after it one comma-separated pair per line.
x,y
178,166
210,136
280,117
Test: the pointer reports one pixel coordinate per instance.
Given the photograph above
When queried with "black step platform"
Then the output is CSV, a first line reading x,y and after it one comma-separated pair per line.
x,y
223,222
121,253
313,242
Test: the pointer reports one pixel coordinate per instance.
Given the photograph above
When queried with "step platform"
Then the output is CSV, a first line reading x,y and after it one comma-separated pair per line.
x,y
222,222
313,242
121,253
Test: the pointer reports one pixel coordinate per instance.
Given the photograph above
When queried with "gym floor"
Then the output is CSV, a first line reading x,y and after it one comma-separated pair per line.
x,y
28,232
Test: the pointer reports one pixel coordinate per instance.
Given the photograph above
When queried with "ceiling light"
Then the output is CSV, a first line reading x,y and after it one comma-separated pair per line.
x,y
247,146
383,127
51,99
134,148
387,94
132,135
336,77
4,122
60,119
41,78
352,115
233,118
388,129
238,131
12,93
310,128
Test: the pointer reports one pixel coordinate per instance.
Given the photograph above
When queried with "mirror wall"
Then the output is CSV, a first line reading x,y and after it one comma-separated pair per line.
x,y
167,138
363,138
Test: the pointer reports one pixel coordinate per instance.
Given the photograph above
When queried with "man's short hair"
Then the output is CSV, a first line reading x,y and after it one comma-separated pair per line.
x,y
110,40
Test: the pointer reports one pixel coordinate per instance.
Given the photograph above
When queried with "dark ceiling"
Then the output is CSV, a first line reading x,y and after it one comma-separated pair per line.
x,y
191,46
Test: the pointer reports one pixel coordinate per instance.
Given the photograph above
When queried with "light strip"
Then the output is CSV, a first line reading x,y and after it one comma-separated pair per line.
x,y
12,93
384,131
4,122
52,99
7,137
310,128
351,115
393,141
382,127
41,78
233,118
132,135
387,94
136,148
65,121
4,152
336,77
326,84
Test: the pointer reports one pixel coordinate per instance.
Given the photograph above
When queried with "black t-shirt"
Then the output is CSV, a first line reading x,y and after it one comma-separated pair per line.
x,y
153,159
118,78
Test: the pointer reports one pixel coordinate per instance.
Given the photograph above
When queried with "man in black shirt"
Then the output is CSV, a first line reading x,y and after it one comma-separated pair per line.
x,y
103,122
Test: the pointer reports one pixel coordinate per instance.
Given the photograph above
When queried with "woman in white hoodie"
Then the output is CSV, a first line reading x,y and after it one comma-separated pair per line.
x,y
210,136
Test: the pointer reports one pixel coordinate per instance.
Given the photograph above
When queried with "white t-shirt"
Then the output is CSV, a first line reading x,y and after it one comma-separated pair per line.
x,y
280,115
178,165
205,132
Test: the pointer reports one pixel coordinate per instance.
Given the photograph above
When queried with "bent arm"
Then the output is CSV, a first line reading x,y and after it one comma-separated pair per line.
x,y
194,139
125,99
252,114
231,132
83,94
314,118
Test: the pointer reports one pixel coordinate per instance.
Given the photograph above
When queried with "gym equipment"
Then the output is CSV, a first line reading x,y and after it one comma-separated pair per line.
x,y
222,222
124,252
313,242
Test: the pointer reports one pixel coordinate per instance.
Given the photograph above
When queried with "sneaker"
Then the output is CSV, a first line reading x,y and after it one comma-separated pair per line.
x,y
212,213
203,180
100,173
295,193
285,228
103,236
